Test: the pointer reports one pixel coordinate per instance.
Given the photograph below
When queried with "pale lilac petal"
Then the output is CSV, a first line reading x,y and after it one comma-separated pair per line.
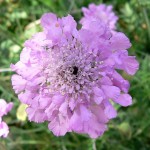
x,y
111,92
55,33
98,99
106,81
131,66
119,42
120,82
85,113
47,20
124,100
101,12
4,109
69,25
126,62
26,97
58,99
36,115
98,95
110,112
63,109
4,130
18,83
72,103
25,55
59,125
84,36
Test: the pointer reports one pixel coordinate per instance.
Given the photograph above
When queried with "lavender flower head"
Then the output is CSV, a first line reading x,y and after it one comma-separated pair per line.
x,y
4,109
101,12
68,77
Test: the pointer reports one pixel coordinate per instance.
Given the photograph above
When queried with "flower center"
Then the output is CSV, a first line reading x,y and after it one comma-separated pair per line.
x,y
72,70
75,70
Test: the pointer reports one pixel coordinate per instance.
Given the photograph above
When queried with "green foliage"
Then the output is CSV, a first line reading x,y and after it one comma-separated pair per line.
x,y
19,20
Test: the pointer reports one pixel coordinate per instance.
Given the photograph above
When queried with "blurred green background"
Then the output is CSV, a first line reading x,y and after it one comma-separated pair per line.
x,y
19,19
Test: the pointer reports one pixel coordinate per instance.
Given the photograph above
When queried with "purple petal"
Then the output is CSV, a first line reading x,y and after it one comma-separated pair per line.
x,y
111,92
110,112
47,20
124,100
119,42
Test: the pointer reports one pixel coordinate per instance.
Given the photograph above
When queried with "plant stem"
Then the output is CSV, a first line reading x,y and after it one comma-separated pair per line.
x,y
62,144
94,144
147,21
5,70
145,17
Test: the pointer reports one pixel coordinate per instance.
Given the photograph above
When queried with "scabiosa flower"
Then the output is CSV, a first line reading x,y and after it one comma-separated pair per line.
x,y
101,12
4,109
68,77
